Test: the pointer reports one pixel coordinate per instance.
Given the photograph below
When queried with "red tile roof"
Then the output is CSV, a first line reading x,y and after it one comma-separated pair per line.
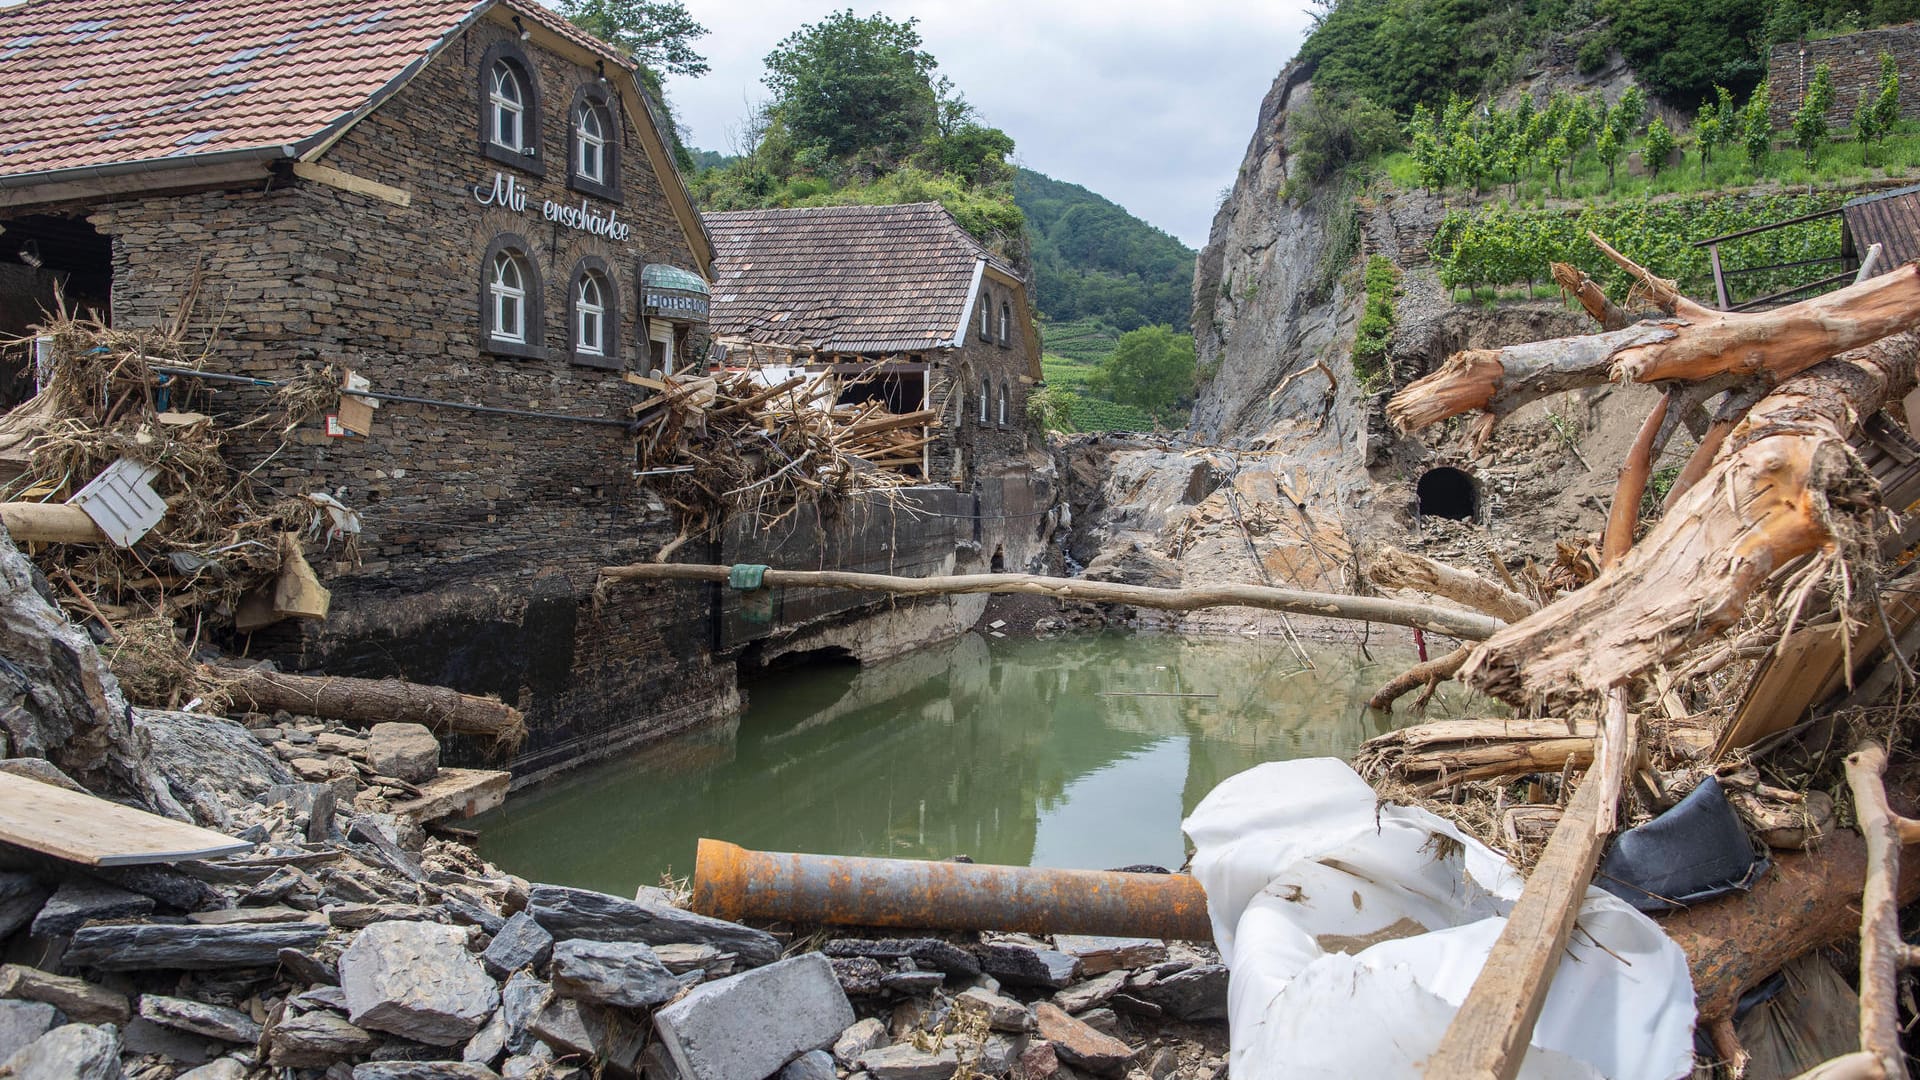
x,y
843,278
100,82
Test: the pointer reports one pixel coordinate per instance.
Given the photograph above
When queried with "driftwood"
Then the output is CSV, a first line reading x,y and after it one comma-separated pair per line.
x,y
372,701
1429,675
1464,625
1882,951
1575,283
1392,568
1807,901
1438,755
1768,502
1693,345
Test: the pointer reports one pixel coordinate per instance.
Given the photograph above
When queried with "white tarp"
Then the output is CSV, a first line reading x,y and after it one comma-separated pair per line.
x,y
1354,930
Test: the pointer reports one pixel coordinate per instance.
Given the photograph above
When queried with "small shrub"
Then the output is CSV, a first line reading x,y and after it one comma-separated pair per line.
x,y
1376,321
1593,55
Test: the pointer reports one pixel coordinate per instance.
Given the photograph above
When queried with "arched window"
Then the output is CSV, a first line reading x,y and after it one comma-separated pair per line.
x,y
593,143
593,314
507,290
510,311
986,392
1003,404
1006,322
590,145
510,108
986,316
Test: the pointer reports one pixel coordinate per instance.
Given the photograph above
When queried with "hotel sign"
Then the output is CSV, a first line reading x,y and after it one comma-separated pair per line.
x,y
673,304
505,192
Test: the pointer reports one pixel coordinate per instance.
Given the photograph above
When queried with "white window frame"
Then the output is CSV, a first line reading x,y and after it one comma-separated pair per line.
x,y
986,392
585,142
1003,404
662,331
505,297
504,104
1004,318
590,313
986,320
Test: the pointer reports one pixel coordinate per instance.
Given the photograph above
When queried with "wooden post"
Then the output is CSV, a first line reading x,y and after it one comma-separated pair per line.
x,y
1719,279
1489,1035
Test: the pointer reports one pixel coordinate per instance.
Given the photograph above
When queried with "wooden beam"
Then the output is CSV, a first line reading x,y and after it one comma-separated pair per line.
x,y
91,831
334,178
50,523
1467,626
1489,1035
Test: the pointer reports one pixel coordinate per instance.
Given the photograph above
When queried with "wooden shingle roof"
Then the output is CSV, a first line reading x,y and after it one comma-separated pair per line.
x,y
853,279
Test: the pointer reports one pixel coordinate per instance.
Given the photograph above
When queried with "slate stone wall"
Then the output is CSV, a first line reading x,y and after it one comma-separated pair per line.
x,y
1855,61
482,532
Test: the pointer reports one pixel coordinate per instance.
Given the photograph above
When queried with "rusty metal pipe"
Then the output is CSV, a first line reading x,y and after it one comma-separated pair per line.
x,y
731,882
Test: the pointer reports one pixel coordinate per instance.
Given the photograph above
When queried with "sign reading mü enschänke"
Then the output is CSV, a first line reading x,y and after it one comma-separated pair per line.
x,y
506,193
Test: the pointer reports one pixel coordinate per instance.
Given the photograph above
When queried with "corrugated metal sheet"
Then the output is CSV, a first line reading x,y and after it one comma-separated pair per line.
x,y
1890,219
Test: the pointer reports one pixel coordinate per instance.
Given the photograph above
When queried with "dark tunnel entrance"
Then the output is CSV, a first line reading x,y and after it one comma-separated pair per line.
x,y
1449,493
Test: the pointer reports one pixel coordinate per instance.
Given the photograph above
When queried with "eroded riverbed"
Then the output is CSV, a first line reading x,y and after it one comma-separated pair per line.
x,y
1077,752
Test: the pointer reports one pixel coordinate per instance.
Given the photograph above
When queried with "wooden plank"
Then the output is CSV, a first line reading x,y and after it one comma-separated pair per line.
x,y
1808,668
358,185
1489,1036
91,831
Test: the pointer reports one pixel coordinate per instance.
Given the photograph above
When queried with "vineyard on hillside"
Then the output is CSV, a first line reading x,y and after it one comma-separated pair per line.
x,y
1496,245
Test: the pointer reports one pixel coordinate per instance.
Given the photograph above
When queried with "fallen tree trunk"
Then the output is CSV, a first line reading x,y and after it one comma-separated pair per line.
x,y
372,701
1807,901
1777,495
1392,568
1460,624
1693,345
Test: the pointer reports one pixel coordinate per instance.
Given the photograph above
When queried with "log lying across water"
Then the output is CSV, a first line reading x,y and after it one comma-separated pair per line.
x,y
373,701
1466,626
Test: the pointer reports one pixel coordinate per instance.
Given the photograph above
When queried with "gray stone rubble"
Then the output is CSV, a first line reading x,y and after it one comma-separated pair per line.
x,y
348,945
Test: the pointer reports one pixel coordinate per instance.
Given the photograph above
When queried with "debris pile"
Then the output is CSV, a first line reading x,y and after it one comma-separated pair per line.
x,y
731,442
134,513
1707,663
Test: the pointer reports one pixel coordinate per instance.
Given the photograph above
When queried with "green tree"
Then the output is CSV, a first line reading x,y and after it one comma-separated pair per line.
x,y
657,33
1151,368
847,84
1680,48
1756,130
1879,109
1659,145
1626,116
1810,120
1709,130
1607,146
1338,129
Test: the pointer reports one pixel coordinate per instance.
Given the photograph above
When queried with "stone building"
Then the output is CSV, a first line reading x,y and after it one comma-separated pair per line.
x,y
903,305
1854,60
465,202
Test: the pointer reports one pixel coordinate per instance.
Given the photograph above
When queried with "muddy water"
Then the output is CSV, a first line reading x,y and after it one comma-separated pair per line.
x,y
1073,753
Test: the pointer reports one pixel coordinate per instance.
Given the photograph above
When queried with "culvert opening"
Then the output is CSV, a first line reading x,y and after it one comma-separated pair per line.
x,y
1449,493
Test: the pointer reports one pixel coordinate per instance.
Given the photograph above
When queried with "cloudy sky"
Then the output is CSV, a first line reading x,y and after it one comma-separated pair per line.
x,y
1149,105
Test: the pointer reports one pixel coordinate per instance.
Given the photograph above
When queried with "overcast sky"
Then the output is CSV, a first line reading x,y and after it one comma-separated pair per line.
x,y
1150,105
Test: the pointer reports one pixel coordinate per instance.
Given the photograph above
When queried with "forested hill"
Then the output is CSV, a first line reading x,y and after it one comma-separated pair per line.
x,y
1092,259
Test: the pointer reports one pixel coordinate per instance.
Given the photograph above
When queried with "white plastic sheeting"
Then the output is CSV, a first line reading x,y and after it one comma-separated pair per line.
x,y
1354,931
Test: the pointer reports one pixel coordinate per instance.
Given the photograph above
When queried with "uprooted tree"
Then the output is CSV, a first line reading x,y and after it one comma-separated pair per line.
x,y
1772,521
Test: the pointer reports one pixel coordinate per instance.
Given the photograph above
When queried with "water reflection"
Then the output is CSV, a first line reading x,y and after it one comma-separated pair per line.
x,y
1077,752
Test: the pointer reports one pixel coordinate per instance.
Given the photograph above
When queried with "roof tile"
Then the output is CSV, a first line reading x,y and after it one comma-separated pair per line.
x,y
843,278
72,65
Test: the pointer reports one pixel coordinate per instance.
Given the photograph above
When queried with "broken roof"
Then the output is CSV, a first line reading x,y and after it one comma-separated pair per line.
x,y
856,279
1890,219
